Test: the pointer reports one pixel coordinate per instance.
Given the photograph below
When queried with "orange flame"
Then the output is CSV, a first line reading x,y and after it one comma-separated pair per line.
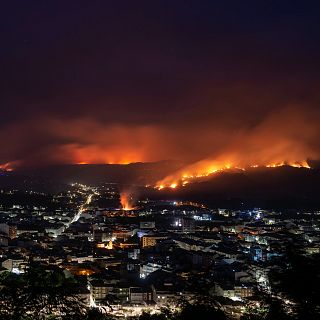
x,y
296,164
6,166
205,168
126,201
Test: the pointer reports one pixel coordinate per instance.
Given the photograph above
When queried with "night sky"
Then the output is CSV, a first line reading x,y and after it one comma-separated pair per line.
x,y
127,81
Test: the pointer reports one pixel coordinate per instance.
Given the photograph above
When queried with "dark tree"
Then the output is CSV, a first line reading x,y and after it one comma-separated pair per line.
x,y
268,309
201,311
205,309
39,294
95,314
299,284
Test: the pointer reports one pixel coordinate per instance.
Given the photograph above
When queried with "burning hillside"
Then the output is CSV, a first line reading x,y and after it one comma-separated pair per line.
x,y
204,169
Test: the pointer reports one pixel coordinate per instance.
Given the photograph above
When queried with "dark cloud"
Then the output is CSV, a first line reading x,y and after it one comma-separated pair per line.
x,y
121,81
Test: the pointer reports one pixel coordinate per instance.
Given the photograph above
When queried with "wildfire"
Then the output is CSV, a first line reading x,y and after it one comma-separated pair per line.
x,y
296,164
126,201
202,170
6,166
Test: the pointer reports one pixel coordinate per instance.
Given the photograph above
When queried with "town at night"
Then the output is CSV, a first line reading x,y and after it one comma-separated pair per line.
x,y
159,160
